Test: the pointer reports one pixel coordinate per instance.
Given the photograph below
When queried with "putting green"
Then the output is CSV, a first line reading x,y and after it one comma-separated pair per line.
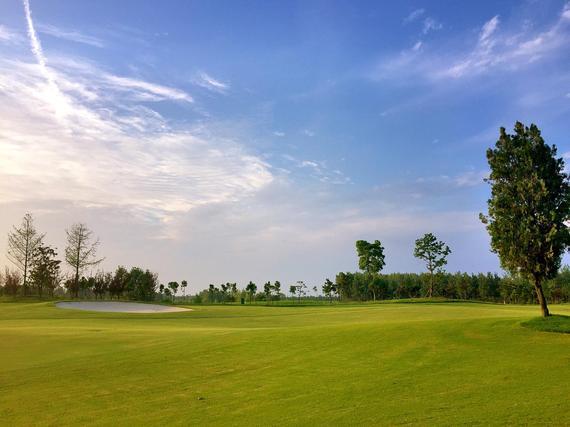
x,y
443,364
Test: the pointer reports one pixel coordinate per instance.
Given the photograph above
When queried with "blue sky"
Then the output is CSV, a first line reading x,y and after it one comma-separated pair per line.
x,y
237,141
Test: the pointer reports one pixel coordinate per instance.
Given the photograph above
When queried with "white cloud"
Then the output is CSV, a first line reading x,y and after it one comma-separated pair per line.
x,y
71,132
511,51
208,82
146,91
279,133
8,36
431,24
414,15
308,132
492,50
488,29
71,35
417,46
470,178
113,154
319,170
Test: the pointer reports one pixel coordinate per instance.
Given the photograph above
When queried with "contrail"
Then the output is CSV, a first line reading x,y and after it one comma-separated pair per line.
x,y
59,101
35,42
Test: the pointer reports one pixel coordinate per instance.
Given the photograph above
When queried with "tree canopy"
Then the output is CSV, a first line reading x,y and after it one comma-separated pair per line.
x,y
528,207
434,253
370,256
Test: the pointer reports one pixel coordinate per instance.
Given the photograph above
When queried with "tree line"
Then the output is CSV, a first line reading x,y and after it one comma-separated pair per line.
x,y
38,271
527,219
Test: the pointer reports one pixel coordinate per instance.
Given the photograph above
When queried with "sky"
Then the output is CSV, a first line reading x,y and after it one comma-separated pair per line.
x,y
218,141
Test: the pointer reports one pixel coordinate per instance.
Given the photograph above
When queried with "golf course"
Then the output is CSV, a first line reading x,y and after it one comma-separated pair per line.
x,y
423,363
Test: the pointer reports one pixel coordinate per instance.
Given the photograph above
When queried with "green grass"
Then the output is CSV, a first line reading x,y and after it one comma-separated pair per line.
x,y
443,364
556,323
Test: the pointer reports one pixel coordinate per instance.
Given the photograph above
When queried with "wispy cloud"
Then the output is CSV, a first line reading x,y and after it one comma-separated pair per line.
x,y
208,82
413,16
146,91
71,132
71,35
470,178
492,50
279,133
431,24
8,36
319,170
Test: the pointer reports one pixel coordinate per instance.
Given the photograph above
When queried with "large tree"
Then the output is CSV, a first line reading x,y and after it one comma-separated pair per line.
x,y
370,260
81,251
23,243
529,205
370,256
434,253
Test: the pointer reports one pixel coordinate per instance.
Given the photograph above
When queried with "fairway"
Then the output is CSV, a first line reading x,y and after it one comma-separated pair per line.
x,y
423,363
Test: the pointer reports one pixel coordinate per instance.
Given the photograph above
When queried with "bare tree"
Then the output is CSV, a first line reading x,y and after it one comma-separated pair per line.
x,y
23,242
80,252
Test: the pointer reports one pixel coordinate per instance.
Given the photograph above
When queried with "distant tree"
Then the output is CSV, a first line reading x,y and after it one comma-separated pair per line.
x,y
293,290
376,285
12,281
267,290
173,286
343,282
86,285
119,282
225,287
102,284
45,274
251,289
277,289
183,285
233,291
212,290
370,256
142,284
371,262
80,252
23,242
529,206
329,288
300,289
434,253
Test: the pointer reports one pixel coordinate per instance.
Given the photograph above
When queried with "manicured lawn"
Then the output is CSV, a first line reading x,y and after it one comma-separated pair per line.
x,y
386,364
556,323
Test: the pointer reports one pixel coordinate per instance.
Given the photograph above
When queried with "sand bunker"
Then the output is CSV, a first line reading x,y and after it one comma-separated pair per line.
x,y
120,307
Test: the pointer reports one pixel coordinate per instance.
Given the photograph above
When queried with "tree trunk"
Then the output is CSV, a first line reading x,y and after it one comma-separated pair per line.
x,y
541,298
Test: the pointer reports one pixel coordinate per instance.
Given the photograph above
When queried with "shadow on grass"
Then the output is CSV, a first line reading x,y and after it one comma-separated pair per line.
x,y
554,323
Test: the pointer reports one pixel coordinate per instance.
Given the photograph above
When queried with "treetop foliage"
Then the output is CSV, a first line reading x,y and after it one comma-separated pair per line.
x,y
529,204
434,252
370,256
